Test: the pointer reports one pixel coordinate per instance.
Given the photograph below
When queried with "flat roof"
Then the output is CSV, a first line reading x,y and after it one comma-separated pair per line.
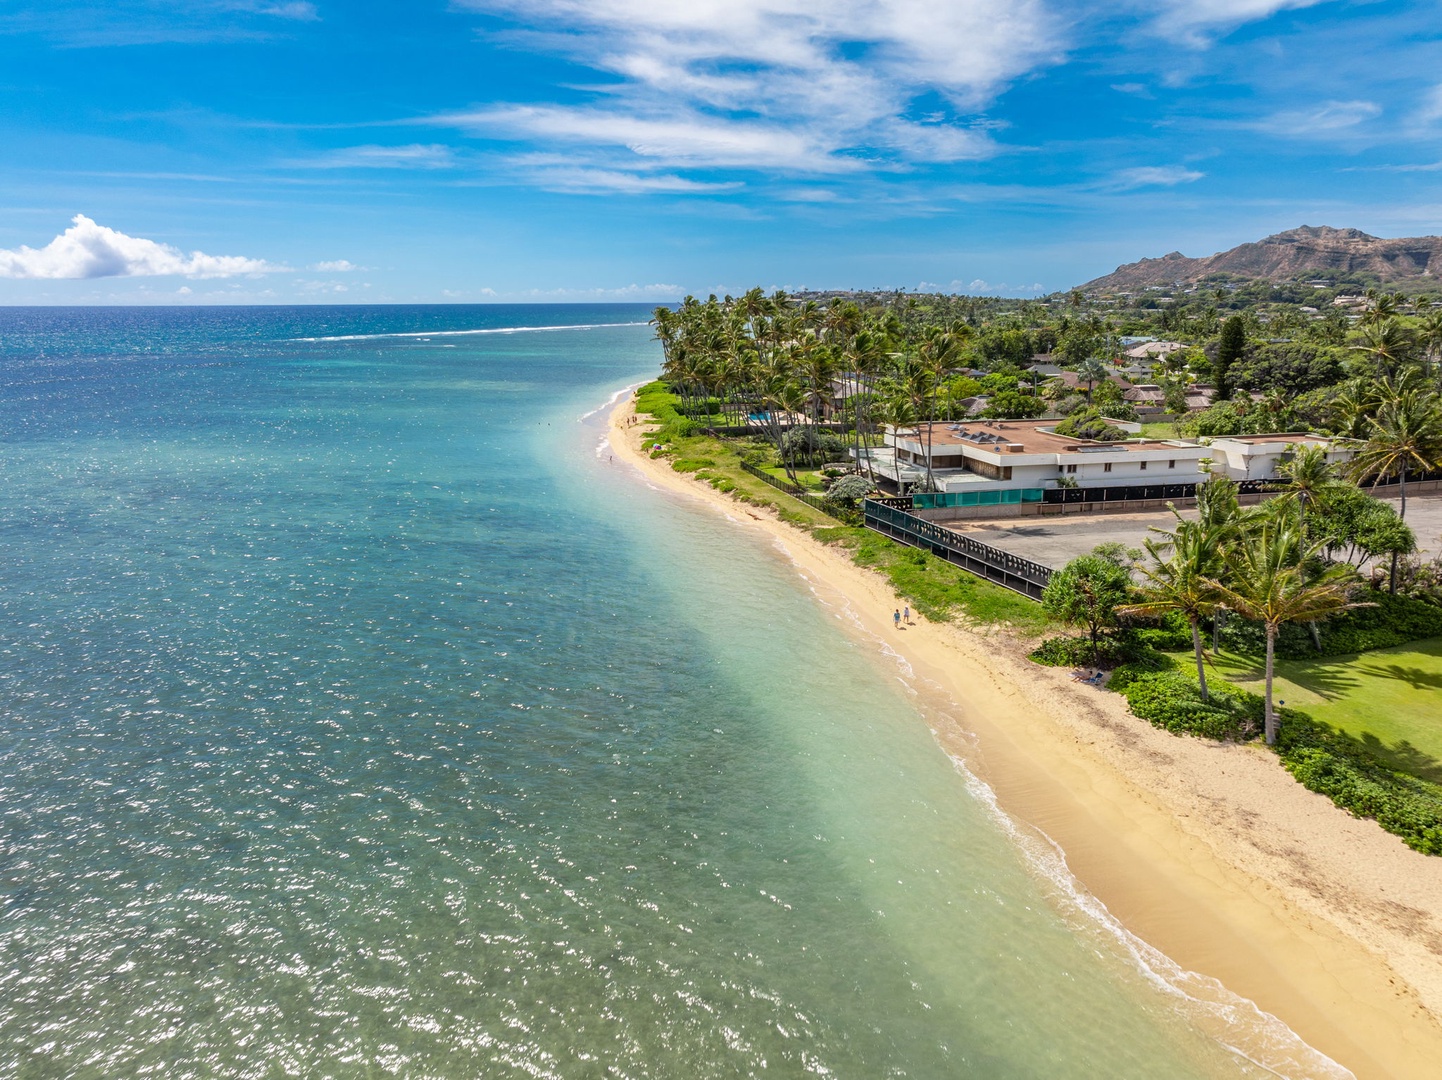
x,y
995,435
1281,436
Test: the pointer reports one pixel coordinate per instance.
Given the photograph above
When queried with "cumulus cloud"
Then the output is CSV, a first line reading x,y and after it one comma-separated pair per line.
x,y
87,250
777,84
335,266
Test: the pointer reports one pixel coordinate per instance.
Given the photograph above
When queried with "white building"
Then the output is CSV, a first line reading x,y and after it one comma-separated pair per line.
x,y
996,455
1257,457
1004,454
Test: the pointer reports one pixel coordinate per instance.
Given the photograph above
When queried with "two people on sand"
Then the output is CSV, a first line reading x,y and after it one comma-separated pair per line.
x,y
897,616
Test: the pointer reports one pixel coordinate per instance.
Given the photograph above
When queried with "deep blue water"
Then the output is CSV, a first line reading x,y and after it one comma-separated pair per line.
x,y
359,717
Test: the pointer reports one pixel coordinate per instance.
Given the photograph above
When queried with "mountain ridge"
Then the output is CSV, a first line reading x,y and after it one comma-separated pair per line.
x,y
1283,256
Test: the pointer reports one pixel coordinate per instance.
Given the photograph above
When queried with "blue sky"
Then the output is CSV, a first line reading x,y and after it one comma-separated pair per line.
x,y
281,151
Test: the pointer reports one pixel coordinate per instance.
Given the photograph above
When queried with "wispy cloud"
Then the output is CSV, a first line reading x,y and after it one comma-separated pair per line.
x,y
413,156
335,266
1431,109
1329,118
1153,176
614,181
87,250
777,85
298,10
1198,22
149,22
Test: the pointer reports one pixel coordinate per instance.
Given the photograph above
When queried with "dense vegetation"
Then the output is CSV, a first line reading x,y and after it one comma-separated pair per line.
x,y
807,383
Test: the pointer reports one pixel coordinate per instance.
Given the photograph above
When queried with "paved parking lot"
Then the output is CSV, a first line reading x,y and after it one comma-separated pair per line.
x,y
1054,541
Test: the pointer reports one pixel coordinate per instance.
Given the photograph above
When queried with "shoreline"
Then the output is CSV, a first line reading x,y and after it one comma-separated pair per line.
x,y
1210,854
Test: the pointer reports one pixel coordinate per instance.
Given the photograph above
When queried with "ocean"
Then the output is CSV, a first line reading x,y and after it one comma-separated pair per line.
x,y
360,717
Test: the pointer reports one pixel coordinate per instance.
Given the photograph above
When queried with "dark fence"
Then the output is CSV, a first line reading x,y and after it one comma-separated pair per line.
x,y
896,502
1120,493
1012,571
816,502
732,431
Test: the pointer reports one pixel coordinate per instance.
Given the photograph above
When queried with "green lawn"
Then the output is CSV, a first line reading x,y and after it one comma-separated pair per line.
x,y
1391,699
1160,431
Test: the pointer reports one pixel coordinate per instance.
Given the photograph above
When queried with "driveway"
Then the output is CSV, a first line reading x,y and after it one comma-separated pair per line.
x,y
1055,541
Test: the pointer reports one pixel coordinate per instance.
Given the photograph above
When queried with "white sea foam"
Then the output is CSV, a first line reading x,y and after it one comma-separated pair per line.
x,y
1235,1022
427,335
610,401
1232,1021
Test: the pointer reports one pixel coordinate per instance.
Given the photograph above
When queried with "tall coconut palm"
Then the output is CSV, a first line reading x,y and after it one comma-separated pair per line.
x,y
1387,344
1404,436
1308,473
1267,582
1181,578
1429,337
934,360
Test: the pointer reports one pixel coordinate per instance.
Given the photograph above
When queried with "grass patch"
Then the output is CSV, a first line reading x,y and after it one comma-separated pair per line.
x,y
932,586
1160,431
935,587
1387,700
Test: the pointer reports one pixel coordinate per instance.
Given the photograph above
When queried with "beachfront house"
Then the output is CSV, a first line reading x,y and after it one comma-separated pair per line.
x,y
1002,455
1006,454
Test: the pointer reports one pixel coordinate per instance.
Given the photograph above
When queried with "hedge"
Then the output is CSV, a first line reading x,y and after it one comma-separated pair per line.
x,y
1395,620
1112,650
1332,764
1172,700
1321,759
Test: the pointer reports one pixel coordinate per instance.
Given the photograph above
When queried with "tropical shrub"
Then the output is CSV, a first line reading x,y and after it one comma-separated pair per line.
x,y
1172,700
1090,424
1395,620
1332,764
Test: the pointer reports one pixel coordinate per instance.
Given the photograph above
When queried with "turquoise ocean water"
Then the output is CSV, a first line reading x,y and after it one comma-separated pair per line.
x,y
359,718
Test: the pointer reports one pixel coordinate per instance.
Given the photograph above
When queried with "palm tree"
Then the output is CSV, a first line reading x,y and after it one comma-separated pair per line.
x,y
1183,582
1091,371
1308,473
1387,343
1404,435
1429,336
1267,582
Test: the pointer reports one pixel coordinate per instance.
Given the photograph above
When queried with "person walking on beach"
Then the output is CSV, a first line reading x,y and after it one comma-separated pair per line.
x,y
896,618
907,614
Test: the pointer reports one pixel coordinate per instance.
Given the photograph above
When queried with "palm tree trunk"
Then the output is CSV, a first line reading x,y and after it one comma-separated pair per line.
x,y
1197,648
1270,720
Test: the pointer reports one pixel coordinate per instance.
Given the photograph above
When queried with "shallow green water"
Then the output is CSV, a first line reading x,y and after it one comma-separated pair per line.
x,y
360,717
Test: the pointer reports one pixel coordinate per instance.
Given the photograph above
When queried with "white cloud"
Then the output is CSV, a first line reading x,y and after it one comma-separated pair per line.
x,y
1431,110
784,85
87,250
298,10
414,156
597,181
1328,118
335,266
625,292
1196,21
1155,176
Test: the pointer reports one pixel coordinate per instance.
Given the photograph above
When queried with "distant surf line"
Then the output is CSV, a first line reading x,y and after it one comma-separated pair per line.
x,y
460,333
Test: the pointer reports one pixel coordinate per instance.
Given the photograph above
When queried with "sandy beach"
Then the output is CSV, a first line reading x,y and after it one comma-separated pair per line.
x,y
1210,853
